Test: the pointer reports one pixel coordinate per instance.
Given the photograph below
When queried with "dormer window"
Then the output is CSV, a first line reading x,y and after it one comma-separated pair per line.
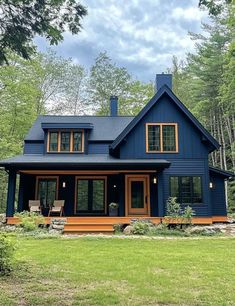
x,y
65,141
53,143
77,141
161,138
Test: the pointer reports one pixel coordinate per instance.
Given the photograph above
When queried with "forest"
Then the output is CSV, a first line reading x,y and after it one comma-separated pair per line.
x,y
49,84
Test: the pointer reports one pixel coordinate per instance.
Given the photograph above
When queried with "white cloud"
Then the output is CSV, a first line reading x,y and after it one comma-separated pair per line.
x,y
140,35
190,13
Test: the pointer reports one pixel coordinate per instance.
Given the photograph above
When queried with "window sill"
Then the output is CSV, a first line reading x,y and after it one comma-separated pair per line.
x,y
160,152
65,152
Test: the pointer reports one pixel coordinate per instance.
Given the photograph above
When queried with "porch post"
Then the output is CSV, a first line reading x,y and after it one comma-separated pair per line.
x,y
161,205
20,195
11,193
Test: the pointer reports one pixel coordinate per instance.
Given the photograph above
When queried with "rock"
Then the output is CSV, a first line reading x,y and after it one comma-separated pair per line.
x,y
59,221
3,219
203,230
128,230
8,228
59,227
53,231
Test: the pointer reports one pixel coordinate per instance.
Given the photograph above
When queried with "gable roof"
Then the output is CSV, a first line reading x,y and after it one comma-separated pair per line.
x,y
165,90
104,128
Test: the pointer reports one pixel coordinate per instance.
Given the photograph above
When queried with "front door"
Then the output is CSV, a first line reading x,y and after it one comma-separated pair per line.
x,y
90,195
137,195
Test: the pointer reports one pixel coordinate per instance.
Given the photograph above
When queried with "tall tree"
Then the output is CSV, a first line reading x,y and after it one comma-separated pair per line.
x,y
21,20
107,79
209,77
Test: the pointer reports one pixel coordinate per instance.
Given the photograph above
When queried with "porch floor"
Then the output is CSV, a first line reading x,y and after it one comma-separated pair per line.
x,y
79,225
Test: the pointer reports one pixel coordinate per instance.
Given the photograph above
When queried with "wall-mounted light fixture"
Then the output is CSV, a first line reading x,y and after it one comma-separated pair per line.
x,y
211,185
114,186
155,180
64,185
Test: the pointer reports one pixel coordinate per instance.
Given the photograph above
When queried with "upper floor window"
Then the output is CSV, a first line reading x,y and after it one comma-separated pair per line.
x,y
53,143
65,141
161,138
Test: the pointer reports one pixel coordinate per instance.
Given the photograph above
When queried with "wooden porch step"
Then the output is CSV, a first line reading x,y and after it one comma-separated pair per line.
x,y
88,227
85,232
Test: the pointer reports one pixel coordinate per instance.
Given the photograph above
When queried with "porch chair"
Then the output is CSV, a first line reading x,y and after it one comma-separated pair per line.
x,y
35,206
58,207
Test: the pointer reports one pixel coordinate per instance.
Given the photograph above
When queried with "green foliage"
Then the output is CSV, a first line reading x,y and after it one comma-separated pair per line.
x,y
141,227
30,221
107,79
6,254
231,196
205,83
174,212
188,213
118,228
214,7
163,230
21,20
173,208
113,205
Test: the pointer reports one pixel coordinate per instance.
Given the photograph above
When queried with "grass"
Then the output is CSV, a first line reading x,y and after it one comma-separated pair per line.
x,y
99,271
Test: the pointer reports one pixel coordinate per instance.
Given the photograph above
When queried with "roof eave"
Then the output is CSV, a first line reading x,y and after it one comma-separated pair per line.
x,y
224,173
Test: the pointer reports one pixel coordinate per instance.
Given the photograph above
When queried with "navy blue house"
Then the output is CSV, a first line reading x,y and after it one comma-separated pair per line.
x,y
137,162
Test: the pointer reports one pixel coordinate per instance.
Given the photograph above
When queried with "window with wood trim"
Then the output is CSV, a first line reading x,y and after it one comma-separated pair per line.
x,y
90,195
65,141
161,138
53,144
187,189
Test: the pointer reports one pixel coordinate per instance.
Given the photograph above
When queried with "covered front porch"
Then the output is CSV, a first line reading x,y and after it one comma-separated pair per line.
x,y
89,193
86,184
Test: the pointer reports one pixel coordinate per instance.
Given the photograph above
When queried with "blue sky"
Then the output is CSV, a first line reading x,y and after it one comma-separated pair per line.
x,y
141,35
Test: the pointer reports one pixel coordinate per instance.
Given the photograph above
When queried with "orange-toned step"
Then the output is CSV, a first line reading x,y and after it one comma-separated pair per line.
x,y
90,226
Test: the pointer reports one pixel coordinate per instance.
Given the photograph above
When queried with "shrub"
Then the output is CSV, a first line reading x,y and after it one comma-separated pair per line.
x,y
118,228
30,221
6,254
175,212
141,227
113,205
163,230
188,213
173,208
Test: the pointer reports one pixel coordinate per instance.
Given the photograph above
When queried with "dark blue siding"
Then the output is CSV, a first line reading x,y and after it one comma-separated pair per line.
x,y
98,148
93,148
192,158
217,194
28,188
191,168
34,148
190,145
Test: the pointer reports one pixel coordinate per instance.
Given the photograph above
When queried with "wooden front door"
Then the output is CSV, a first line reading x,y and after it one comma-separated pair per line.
x,y
137,195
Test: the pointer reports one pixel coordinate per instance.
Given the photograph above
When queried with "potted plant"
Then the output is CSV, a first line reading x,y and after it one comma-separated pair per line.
x,y
113,209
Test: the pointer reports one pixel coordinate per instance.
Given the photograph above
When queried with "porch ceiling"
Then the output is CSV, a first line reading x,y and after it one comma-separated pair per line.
x,y
76,161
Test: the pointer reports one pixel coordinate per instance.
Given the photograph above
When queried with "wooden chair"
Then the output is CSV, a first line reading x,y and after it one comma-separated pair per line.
x,y
35,206
58,207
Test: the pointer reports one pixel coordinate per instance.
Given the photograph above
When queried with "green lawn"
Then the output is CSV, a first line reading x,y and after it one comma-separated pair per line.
x,y
99,271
